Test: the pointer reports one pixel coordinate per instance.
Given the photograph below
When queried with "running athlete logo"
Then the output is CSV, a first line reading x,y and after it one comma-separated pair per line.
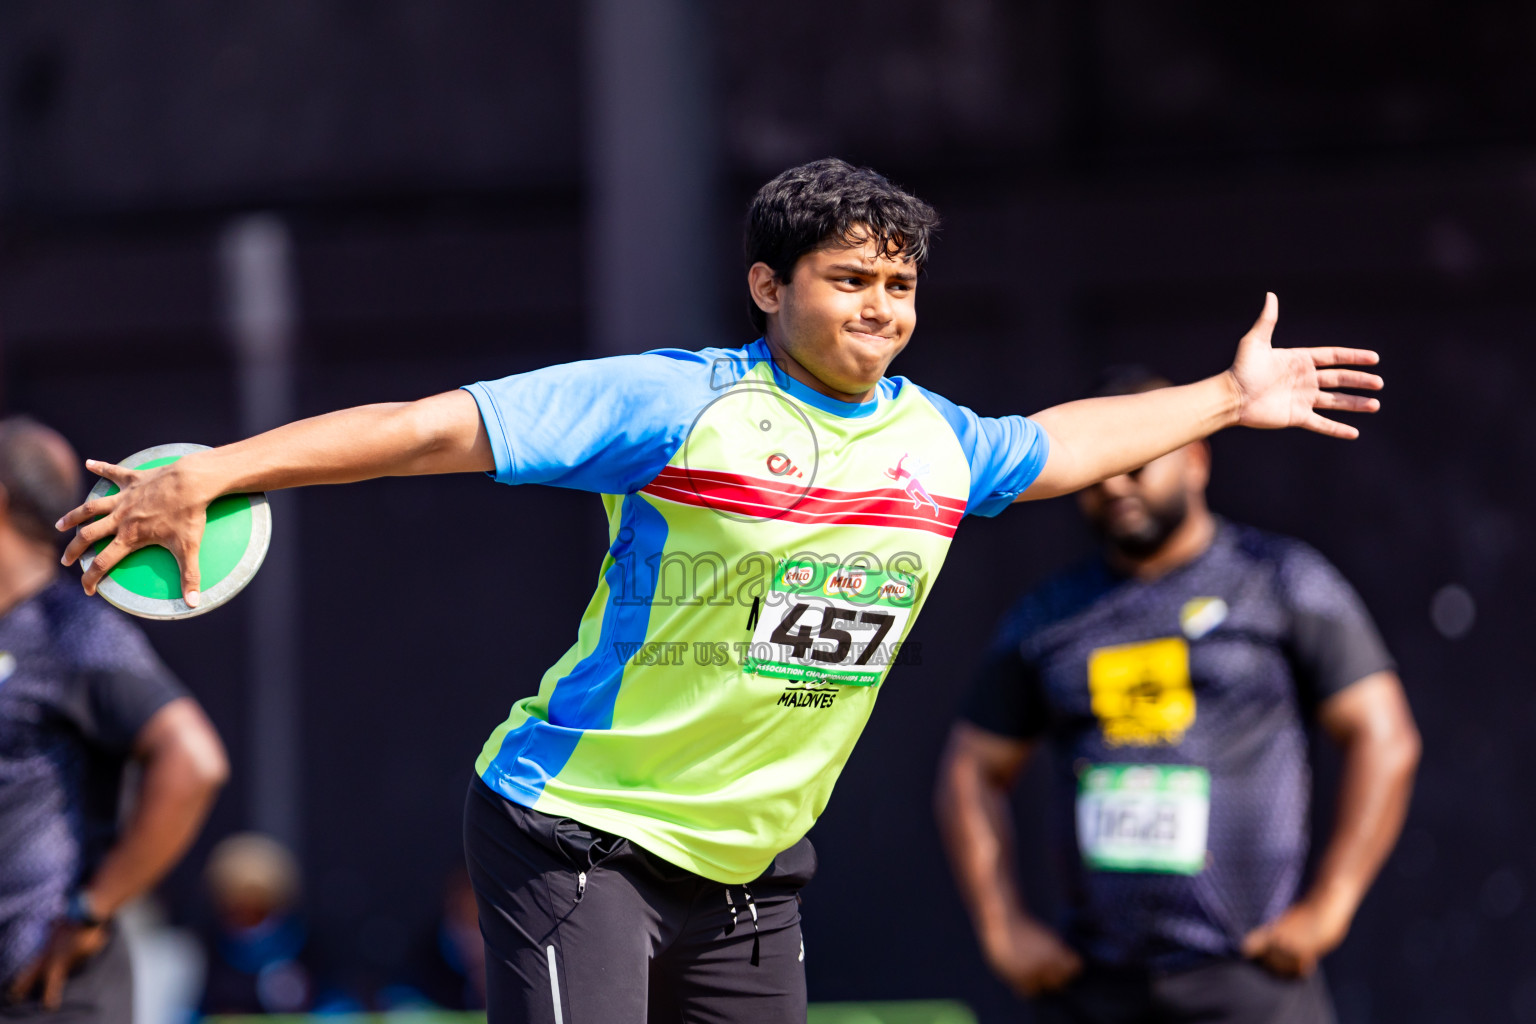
x,y
913,485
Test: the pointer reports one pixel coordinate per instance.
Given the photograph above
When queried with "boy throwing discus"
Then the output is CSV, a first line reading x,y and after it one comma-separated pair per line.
x,y
777,516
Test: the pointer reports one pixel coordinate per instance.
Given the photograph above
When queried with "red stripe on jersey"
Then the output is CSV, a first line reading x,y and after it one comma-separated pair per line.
x,y
771,499
698,478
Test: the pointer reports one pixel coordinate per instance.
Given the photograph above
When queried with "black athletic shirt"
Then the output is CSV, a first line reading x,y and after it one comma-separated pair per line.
x,y
1270,629
77,683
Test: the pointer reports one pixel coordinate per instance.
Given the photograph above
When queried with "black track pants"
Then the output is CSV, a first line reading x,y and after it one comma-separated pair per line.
x,y
639,939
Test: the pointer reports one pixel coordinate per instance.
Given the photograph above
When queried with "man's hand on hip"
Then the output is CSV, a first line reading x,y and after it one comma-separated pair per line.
x,y
1293,943
69,945
1031,958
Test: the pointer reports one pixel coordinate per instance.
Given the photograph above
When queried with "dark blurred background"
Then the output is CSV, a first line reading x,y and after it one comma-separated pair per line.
x,y
214,216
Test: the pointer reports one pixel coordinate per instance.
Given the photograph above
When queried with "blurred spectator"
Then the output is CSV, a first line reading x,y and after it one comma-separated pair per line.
x,y
257,961
1175,675
448,965
82,696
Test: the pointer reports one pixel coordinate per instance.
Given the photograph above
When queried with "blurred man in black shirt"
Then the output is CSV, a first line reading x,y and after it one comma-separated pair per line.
x,y
1175,676
81,695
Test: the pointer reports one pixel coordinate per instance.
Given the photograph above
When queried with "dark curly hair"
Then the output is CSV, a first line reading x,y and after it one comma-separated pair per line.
x,y
831,202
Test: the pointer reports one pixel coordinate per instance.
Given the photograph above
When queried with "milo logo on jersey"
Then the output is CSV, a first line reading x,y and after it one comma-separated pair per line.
x,y
794,575
828,626
796,579
857,583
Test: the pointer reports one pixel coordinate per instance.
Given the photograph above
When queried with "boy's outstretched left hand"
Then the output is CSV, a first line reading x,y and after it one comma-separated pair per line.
x,y
1285,387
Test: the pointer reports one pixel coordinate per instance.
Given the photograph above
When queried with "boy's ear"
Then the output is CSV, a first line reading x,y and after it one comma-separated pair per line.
x,y
765,287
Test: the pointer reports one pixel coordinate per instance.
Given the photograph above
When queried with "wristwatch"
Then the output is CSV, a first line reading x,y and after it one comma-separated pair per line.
x,y
79,910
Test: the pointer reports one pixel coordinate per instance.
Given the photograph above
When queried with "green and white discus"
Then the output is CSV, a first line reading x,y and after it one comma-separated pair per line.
x,y
147,583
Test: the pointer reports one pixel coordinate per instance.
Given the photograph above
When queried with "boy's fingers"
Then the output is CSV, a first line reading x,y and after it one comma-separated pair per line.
x,y
119,475
89,534
1335,356
191,571
90,510
1358,379
1347,402
1264,326
104,562
1330,428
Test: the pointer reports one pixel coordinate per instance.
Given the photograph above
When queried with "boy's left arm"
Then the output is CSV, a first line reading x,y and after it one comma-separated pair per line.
x,y
1267,388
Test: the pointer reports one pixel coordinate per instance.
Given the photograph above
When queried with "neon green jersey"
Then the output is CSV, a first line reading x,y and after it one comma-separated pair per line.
x,y
769,549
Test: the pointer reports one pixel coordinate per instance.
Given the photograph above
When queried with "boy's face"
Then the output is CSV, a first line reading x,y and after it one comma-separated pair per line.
x,y
843,315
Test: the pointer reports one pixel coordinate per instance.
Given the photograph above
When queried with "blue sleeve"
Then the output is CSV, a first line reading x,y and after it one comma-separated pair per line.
x,y
605,425
1006,453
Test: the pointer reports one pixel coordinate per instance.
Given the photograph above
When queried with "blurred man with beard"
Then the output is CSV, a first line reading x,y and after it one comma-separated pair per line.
x,y
1175,675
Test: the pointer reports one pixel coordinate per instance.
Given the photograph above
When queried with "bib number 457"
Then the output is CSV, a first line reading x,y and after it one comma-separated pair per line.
x,y
830,624
801,639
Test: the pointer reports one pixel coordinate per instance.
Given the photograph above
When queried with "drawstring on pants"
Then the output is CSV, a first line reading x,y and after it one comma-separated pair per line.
x,y
757,935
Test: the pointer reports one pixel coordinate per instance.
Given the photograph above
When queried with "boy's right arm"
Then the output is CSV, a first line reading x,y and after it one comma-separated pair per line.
x,y
167,506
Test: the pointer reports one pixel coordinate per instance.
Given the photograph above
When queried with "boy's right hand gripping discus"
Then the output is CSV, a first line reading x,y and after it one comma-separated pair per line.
x,y
147,583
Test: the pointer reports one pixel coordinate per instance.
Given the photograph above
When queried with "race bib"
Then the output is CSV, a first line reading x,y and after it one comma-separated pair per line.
x,y
1144,817
834,624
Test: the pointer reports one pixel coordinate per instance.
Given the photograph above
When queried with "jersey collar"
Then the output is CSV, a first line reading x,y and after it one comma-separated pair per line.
x,y
759,350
